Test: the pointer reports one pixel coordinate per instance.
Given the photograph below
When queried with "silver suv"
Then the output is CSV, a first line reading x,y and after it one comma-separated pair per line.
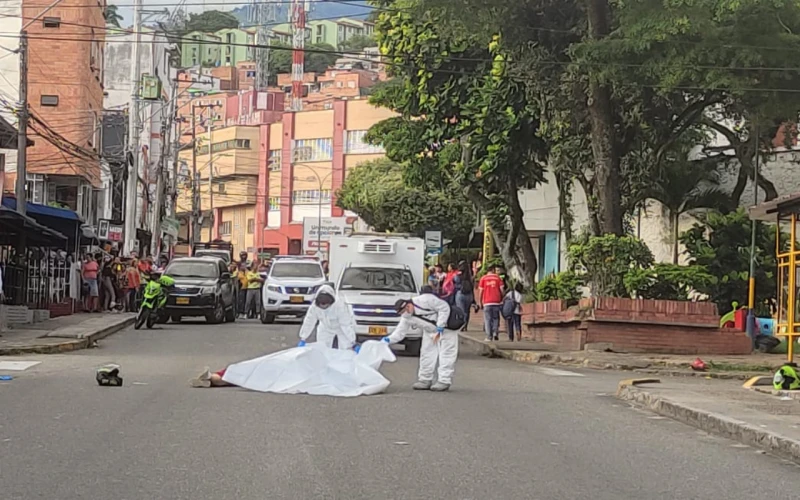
x,y
290,287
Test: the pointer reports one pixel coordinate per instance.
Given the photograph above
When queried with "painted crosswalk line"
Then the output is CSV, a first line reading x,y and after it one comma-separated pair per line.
x,y
559,373
17,366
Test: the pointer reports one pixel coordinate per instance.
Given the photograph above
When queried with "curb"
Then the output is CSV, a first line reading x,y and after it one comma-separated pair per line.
x,y
485,348
713,423
69,345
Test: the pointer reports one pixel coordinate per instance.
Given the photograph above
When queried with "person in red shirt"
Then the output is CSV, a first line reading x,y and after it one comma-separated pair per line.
x,y
490,297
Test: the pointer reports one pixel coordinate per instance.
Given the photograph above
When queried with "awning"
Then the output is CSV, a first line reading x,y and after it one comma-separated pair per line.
x,y
14,226
769,210
36,209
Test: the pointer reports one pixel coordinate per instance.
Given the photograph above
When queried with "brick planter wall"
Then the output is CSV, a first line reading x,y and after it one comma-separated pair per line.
x,y
63,309
629,325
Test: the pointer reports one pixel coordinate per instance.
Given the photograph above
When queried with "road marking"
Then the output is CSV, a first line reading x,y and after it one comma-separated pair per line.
x,y
559,373
17,366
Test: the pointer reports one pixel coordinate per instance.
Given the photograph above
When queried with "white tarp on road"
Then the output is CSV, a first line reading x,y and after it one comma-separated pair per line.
x,y
315,369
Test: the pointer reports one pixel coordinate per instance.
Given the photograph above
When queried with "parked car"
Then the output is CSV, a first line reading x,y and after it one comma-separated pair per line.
x,y
203,287
290,287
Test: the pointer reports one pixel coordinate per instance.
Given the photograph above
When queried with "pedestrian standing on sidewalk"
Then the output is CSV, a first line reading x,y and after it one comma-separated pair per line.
x,y
490,297
107,275
252,305
132,282
465,291
512,311
241,276
89,274
449,286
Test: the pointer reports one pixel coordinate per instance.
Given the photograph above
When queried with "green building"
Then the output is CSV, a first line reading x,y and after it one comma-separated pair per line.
x,y
332,32
226,47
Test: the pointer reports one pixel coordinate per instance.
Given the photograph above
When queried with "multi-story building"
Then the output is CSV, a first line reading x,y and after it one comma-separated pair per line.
x,y
65,95
306,157
331,32
226,47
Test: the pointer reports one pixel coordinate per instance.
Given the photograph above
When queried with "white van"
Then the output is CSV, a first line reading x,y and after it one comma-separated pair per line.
x,y
371,272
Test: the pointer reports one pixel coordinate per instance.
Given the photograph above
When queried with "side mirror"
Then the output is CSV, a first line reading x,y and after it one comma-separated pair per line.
x,y
226,276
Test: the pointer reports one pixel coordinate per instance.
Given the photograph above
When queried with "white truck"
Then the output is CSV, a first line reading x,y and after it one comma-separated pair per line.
x,y
370,272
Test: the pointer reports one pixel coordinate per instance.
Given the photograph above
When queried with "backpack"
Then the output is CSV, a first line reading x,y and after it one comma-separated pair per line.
x,y
509,306
455,321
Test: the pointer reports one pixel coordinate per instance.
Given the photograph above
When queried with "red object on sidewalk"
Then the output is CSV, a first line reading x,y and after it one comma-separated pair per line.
x,y
698,365
740,319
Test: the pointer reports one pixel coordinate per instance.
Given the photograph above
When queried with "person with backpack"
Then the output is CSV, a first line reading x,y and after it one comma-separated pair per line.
x,y
512,311
465,291
439,324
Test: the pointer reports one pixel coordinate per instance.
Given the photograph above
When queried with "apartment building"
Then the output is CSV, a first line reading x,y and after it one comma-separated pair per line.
x,y
65,93
330,31
306,157
226,47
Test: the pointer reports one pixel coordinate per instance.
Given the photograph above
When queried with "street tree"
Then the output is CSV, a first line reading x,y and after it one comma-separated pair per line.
x,y
377,193
463,113
112,16
211,21
358,43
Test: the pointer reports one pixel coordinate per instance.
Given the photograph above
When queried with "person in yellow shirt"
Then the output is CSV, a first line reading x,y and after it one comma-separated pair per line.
x,y
240,272
254,281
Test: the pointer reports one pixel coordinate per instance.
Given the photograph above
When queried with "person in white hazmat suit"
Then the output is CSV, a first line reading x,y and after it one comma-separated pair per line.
x,y
428,313
332,318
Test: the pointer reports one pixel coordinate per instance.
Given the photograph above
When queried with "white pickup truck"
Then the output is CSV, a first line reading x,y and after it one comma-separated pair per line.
x,y
371,272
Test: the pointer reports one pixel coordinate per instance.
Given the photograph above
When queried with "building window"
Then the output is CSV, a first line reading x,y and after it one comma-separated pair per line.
x,y
35,188
355,143
311,197
49,100
250,74
274,203
51,22
251,226
274,160
225,228
312,150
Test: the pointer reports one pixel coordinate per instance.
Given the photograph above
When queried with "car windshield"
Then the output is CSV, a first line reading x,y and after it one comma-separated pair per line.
x,y
192,269
388,280
296,270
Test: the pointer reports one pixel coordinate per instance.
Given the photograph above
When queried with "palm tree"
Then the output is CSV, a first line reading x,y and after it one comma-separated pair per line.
x,y
682,185
112,16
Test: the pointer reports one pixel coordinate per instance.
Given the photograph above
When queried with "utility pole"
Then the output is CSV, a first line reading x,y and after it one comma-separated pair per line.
x,y
22,128
210,129
166,129
195,226
132,197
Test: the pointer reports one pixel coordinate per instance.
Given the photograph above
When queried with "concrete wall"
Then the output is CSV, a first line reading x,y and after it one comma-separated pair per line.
x,y
9,69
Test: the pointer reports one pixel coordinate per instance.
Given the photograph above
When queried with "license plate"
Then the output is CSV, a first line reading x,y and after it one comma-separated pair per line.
x,y
182,301
296,299
377,330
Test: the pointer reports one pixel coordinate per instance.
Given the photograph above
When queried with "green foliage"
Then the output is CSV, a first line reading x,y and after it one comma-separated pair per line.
x,y
721,245
317,59
606,260
494,261
112,16
666,281
560,286
211,21
358,43
376,192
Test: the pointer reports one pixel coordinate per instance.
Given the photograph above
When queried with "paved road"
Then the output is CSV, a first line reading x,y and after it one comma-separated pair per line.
x,y
506,431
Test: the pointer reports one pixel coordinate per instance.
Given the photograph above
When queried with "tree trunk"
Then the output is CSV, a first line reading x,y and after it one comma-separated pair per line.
x,y
604,149
675,236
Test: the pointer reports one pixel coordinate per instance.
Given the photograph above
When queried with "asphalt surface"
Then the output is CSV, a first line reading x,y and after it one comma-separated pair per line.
x,y
505,431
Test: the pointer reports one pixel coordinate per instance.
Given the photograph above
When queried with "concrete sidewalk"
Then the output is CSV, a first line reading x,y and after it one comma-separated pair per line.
x,y
728,367
66,333
724,408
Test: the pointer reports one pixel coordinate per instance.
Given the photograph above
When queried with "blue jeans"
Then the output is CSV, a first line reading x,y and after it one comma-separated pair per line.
x,y
515,321
491,320
464,302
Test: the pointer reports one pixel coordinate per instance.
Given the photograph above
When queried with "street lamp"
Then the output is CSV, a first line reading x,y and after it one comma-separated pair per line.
x,y
320,183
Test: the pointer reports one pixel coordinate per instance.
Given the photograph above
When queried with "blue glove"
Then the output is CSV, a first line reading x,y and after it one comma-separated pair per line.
x,y
356,348
439,330
302,343
385,339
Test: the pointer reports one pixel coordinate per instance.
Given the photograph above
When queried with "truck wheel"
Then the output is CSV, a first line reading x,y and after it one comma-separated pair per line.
x,y
266,318
413,347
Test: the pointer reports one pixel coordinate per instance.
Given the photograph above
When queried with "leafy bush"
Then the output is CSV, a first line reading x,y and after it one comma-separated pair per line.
x,y
667,281
721,245
562,286
607,259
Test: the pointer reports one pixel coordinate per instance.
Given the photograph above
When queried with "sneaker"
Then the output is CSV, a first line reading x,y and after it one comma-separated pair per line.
x,y
202,380
440,387
422,385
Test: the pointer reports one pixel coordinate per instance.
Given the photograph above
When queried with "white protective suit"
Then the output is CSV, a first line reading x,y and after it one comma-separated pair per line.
x,y
335,321
445,350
